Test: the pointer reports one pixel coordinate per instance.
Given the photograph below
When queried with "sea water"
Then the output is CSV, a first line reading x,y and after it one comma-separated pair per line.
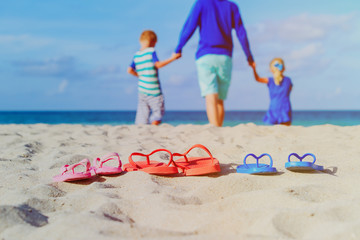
x,y
232,118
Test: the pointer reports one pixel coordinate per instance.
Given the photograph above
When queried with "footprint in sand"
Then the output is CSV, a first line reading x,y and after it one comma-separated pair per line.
x,y
33,148
23,214
312,193
43,205
192,200
103,185
47,191
110,211
292,224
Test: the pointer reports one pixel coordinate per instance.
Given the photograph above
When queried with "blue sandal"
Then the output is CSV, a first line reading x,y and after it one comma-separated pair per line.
x,y
257,168
303,166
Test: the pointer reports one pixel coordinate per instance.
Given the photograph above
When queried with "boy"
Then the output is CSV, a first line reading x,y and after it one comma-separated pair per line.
x,y
145,66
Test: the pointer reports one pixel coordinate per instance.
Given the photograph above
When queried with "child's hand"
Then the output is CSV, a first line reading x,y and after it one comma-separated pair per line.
x,y
132,71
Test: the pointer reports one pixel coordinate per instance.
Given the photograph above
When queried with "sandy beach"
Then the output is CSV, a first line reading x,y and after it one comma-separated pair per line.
x,y
136,205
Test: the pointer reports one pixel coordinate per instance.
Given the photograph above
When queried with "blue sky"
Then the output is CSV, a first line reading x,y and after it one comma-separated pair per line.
x,y
73,55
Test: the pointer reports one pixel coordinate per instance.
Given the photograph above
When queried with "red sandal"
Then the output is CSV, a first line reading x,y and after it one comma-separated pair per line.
x,y
194,166
151,166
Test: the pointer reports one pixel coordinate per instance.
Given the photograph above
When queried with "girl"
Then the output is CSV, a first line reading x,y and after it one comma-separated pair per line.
x,y
279,88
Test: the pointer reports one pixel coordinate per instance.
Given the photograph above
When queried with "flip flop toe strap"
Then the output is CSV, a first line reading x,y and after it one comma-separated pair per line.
x,y
131,161
85,162
302,158
195,146
98,162
257,159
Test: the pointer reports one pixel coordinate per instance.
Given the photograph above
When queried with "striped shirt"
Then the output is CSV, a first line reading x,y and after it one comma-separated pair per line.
x,y
144,64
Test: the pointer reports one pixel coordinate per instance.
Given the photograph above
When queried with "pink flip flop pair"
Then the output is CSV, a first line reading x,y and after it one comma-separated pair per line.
x,y
68,173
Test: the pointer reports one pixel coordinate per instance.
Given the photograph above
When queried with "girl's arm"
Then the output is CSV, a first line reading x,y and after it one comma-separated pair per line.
x,y
257,77
132,71
160,64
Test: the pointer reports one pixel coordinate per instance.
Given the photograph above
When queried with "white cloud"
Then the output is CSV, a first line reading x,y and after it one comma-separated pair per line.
x,y
307,51
303,57
26,43
303,27
63,85
177,80
49,67
305,41
23,42
338,91
107,70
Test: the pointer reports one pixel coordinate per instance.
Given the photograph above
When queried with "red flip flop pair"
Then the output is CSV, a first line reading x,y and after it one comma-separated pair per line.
x,y
190,166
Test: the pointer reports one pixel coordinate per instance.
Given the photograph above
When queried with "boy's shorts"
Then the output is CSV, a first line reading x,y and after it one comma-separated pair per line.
x,y
214,73
149,109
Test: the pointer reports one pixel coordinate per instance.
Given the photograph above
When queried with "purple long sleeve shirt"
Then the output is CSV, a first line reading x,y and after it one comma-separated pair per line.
x,y
216,19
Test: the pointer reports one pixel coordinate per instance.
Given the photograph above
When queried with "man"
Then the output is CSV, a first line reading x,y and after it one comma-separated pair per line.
x,y
215,19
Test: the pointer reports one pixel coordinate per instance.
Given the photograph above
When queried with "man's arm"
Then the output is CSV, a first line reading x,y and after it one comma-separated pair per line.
x,y
241,34
190,26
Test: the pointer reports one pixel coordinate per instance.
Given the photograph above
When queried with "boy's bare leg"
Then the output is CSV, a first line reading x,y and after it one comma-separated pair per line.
x,y
212,109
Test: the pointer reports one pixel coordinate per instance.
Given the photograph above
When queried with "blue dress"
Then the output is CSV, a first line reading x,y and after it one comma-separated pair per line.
x,y
280,107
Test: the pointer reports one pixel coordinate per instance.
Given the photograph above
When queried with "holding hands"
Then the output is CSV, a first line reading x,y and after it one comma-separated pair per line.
x,y
176,55
252,64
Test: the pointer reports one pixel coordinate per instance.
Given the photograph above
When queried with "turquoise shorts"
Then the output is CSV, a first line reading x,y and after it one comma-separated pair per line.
x,y
214,73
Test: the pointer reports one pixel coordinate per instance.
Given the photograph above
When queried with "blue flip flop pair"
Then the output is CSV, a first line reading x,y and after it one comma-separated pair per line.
x,y
266,169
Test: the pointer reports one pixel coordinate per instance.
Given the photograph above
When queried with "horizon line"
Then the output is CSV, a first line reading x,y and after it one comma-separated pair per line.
x,y
170,110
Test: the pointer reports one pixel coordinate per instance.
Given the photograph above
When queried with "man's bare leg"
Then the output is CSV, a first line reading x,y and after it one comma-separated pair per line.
x,y
156,123
212,109
221,111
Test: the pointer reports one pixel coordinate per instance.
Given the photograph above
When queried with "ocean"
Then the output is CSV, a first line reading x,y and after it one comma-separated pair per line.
x,y
232,118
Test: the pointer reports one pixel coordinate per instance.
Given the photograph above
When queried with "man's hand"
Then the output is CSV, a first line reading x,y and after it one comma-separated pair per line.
x,y
176,55
252,65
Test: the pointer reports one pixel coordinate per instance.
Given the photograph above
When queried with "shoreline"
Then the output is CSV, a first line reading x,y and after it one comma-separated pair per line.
x,y
175,118
136,205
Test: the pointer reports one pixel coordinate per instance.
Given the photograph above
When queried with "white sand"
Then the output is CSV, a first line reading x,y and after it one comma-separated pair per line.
x,y
136,205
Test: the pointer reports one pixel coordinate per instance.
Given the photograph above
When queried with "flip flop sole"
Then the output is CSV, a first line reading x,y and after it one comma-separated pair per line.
x,y
155,168
71,177
303,167
254,169
108,171
196,166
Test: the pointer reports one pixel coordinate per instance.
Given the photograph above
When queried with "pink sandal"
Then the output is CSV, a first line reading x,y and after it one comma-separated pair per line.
x,y
68,173
100,169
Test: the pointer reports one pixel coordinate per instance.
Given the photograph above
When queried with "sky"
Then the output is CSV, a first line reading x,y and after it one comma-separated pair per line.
x,y
73,54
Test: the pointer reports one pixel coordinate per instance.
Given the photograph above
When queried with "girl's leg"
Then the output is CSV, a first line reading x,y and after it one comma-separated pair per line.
x,y
156,123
